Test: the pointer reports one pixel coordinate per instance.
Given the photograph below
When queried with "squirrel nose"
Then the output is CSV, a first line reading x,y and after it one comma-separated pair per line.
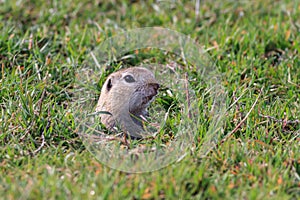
x,y
153,87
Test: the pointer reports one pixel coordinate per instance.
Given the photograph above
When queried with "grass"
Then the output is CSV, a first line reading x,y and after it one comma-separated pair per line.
x,y
255,45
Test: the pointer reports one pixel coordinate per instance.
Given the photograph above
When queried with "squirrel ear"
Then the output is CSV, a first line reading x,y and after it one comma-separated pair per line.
x,y
111,81
108,85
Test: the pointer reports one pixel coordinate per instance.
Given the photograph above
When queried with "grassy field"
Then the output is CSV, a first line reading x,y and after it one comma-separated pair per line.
x,y
255,45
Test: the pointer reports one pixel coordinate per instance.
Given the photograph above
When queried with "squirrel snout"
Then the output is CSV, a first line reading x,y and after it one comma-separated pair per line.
x,y
152,89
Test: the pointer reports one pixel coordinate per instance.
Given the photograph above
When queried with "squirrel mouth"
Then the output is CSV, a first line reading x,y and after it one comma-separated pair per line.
x,y
148,99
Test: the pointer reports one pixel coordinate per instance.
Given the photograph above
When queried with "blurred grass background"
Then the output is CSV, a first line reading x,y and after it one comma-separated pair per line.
x,y
255,45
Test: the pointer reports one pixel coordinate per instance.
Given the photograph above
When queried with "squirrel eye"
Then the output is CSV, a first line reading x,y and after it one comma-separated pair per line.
x,y
129,79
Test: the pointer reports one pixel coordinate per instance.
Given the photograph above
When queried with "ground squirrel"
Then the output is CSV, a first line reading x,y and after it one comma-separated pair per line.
x,y
126,94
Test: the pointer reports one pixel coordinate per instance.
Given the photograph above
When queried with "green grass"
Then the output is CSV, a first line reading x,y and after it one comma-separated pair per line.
x,y
255,45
